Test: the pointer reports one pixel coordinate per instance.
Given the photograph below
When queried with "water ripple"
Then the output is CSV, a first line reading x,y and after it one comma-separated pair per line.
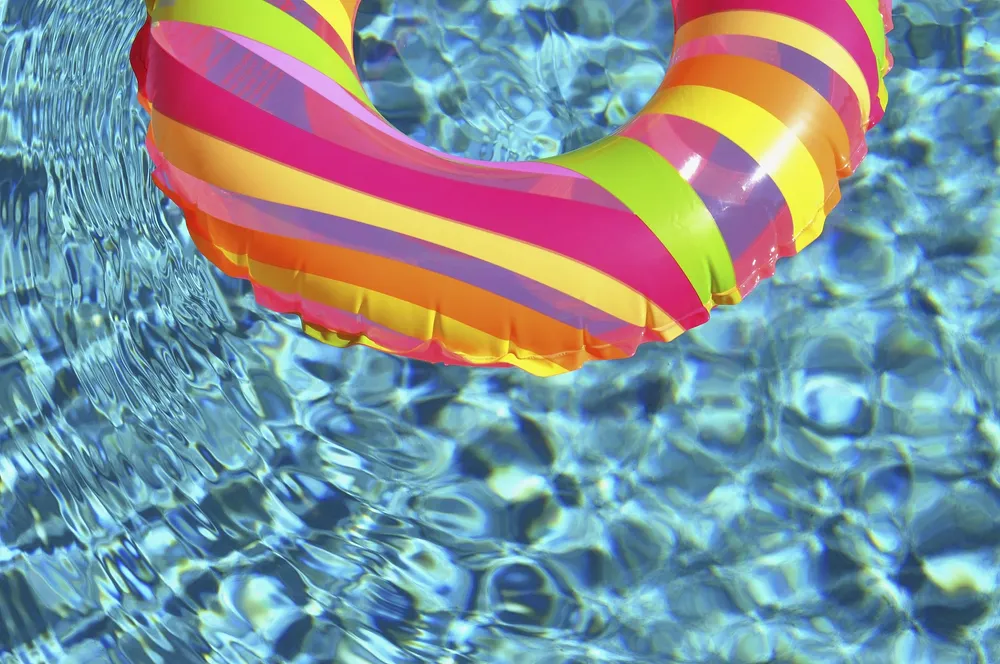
x,y
184,477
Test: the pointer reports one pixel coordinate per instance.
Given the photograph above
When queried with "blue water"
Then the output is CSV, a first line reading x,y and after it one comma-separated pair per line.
x,y
810,478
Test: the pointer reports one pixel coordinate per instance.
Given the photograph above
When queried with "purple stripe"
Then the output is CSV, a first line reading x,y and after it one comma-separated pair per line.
x,y
742,198
203,50
811,71
301,12
741,220
814,73
310,18
312,226
561,225
256,81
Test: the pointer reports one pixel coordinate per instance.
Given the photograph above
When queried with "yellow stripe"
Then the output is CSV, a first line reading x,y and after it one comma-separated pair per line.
x,y
535,367
788,31
266,24
404,317
764,137
639,177
241,171
870,18
336,15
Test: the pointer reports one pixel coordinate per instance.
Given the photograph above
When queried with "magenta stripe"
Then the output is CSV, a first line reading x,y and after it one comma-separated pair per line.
x,y
834,17
332,91
221,60
571,228
309,17
311,226
811,71
747,205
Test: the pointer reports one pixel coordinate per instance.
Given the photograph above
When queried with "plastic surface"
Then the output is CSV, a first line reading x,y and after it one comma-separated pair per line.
x,y
261,132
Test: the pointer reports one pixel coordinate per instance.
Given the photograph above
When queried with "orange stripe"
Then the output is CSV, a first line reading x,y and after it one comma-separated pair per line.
x,y
477,308
805,112
352,8
280,280
537,367
783,30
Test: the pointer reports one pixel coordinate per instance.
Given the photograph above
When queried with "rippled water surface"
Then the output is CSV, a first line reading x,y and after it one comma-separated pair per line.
x,y
812,477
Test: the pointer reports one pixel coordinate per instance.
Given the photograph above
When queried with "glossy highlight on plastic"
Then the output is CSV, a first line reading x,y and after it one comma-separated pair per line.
x,y
262,134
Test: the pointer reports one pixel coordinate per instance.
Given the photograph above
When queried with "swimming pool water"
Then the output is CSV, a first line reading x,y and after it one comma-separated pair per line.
x,y
811,477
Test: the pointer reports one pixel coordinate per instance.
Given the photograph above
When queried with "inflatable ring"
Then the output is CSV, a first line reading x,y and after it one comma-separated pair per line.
x,y
261,132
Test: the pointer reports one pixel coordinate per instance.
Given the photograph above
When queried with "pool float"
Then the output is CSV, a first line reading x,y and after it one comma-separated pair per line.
x,y
288,177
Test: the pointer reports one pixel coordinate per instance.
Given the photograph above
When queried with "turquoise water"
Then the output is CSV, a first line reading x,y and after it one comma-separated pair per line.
x,y
812,477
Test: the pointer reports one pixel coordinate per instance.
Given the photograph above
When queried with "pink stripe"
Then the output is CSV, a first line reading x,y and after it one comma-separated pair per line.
x,y
251,214
885,8
833,17
837,92
333,92
573,229
229,65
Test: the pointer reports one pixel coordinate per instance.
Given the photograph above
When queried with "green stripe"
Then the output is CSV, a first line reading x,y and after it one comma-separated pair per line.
x,y
871,19
265,23
654,190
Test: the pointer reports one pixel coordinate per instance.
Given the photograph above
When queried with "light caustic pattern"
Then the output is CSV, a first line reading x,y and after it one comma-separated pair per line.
x,y
262,133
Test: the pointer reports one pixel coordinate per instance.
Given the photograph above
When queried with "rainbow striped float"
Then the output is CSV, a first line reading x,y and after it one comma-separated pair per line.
x,y
288,176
